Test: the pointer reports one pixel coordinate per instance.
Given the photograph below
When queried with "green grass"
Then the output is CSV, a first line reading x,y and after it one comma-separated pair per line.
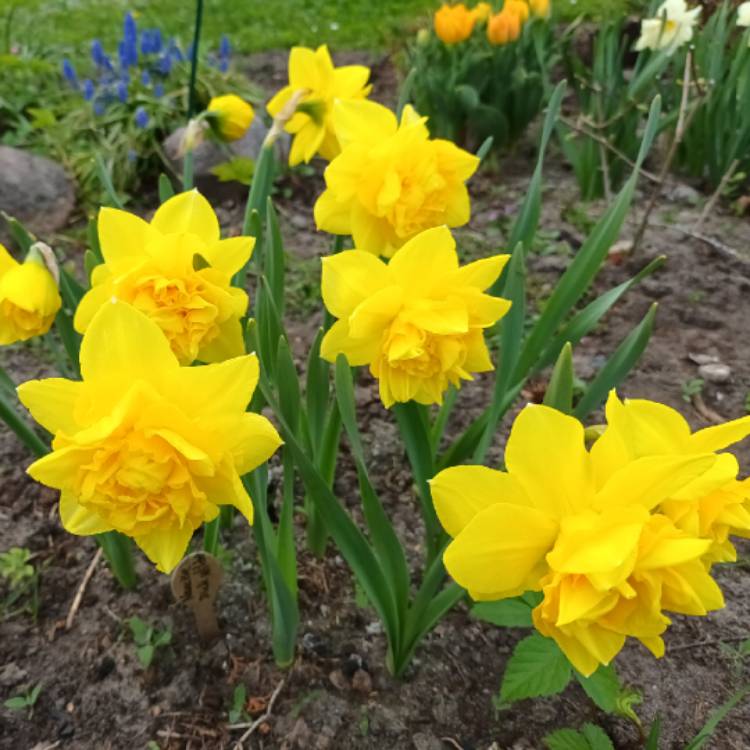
x,y
252,25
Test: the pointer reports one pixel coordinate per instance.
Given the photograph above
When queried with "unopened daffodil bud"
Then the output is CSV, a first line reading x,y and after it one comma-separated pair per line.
x,y
29,297
231,116
482,11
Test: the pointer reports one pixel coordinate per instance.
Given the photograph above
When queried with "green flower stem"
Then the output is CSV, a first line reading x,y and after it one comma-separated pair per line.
x,y
9,414
118,550
194,58
211,535
187,170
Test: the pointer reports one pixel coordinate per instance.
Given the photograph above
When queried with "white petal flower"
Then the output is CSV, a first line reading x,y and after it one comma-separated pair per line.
x,y
743,14
670,28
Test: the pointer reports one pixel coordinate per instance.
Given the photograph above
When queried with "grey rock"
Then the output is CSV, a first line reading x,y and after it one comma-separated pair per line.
x,y
11,675
35,190
681,193
210,154
715,372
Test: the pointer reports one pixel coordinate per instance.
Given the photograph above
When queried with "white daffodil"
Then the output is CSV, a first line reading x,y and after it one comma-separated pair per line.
x,y
670,28
743,14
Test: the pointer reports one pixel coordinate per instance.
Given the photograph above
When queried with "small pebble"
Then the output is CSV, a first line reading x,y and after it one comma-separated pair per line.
x,y
715,372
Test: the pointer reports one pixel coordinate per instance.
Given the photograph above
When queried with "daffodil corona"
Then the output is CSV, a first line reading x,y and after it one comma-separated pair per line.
x,y
418,321
614,537
311,73
391,180
29,298
177,271
142,445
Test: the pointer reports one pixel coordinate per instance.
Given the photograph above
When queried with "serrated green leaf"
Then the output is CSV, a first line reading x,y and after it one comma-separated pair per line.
x,y
536,668
507,613
597,737
566,739
603,687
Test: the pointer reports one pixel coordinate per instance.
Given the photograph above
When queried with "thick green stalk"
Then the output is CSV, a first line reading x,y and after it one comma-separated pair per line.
x,y
211,535
118,550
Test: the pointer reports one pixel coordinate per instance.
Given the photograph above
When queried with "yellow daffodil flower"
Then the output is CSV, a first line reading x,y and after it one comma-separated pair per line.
x,y
312,72
176,270
503,28
714,508
142,445
232,115
671,27
391,180
587,528
418,321
29,298
454,23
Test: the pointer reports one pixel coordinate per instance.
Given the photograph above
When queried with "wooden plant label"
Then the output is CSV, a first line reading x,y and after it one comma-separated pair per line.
x,y
195,582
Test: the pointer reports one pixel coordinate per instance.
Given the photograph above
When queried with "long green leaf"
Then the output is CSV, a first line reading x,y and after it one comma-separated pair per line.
x,y
559,394
584,321
587,262
617,366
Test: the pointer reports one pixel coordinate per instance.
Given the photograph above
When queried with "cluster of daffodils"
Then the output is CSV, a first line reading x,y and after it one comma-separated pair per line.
x,y
454,24
145,444
615,537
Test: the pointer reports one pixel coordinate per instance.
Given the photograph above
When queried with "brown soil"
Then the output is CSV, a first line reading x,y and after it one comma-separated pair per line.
x,y
337,694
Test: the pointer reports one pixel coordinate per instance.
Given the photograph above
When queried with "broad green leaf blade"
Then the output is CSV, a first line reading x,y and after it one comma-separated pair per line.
x,y
566,739
583,322
506,613
350,540
603,687
587,262
287,382
536,668
597,737
317,390
166,189
511,334
21,236
273,262
617,366
559,394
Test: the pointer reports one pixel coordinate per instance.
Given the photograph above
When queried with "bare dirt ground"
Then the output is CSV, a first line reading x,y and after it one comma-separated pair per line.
x,y
338,694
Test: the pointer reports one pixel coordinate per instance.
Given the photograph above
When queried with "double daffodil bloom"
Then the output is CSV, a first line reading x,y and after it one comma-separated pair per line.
x,y
671,27
391,180
232,116
142,445
591,529
29,298
176,270
312,72
714,508
418,321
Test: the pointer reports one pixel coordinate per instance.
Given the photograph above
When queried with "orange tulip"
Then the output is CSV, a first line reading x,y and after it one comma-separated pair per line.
x,y
454,23
503,27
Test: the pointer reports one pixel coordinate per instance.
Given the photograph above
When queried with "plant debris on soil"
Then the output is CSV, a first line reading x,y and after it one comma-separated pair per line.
x,y
96,694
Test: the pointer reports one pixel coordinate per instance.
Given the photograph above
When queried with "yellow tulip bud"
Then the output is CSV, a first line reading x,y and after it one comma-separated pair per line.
x,y
503,27
29,298
482,11
540,8
454,23
517,7
233,116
